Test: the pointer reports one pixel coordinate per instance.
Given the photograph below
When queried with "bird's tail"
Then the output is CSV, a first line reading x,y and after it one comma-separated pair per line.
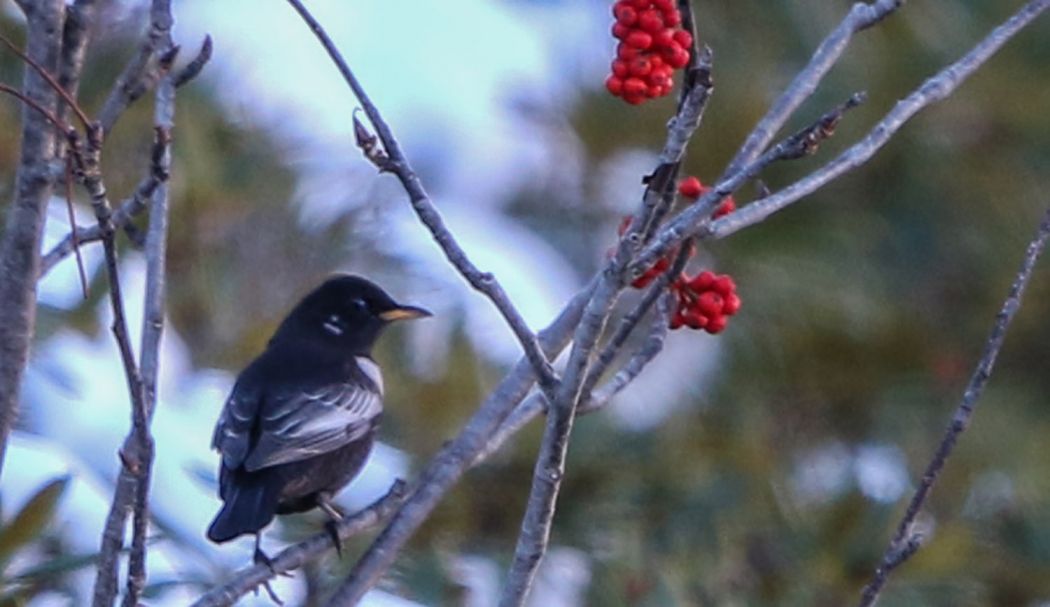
x,y
249,504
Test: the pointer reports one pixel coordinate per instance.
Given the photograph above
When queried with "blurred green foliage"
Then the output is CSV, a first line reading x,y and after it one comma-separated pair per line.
x,y
865,307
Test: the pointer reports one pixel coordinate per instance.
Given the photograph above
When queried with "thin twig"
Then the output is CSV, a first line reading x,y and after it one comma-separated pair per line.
x,y
860,17
73,227
397,163
936,88
46,113
136,78
76,30
597,399
153,307
134,204
905,541
802,143
46,75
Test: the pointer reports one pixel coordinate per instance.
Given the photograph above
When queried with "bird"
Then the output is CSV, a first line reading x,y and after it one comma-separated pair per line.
x,y
301,418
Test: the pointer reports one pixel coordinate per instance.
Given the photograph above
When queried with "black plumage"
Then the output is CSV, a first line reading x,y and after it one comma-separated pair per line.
x,y
300,421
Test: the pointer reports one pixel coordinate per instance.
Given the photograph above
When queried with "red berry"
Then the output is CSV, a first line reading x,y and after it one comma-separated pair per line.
x,y
664,5
695,319
651,21
716,324
633,87
731,305
657,79
640,67
678,57
684,38
620,69
614,85
710,303
626,52
657,62
640,4
690,187
620,30
639,39
665,89
702,281
673,18
663,37
724,285
625,13
727,207
636,99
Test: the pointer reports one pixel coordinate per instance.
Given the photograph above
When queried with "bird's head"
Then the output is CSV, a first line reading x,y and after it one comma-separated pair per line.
x,y
346,311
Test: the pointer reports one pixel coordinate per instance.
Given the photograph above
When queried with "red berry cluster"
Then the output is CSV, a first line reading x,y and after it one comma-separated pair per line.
x,y
690,187
705,301
652,46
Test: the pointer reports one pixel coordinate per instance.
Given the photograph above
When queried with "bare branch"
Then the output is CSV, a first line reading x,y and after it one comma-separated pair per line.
x,y
194,67
137,77
597,399
397,163
75,36
46,75
860,17
293,557
20,243
153,306
934,89
124,213
797,145
457,456
550,463
905,542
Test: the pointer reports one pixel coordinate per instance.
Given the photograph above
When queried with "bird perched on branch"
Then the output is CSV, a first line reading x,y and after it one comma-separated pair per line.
x,y
300,421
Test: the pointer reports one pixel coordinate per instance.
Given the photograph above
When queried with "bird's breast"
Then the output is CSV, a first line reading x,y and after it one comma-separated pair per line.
x,y
372,371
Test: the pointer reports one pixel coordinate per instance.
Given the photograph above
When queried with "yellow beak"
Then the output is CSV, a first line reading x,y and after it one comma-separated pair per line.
x,y
404,313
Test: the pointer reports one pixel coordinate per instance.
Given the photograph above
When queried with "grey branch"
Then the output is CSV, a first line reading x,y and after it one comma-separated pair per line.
x,y
293,557
550,463
860,17
133,205
20,243
397,163
153,307
535,404
933,90
905,542
132,488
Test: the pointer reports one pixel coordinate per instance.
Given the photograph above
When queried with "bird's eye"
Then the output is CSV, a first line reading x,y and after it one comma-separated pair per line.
x,y
358,304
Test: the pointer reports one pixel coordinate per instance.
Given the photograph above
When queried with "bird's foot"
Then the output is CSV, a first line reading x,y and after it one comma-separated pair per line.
x,y
324,502
332,527
269,591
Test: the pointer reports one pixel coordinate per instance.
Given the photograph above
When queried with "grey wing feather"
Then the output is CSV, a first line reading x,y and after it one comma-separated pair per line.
x,y
232,435
302,424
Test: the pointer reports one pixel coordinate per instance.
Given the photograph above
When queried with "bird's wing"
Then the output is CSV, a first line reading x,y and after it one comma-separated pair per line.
x,y
232,437
297,424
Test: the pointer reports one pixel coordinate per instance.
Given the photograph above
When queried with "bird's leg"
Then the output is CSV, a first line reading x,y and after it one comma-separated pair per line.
x,y
260,557
324,502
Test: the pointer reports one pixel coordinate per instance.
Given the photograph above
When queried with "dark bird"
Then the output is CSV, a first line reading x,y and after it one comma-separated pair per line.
x,y
300,421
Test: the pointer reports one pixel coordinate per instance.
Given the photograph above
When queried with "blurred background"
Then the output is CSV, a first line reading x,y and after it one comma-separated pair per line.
x,y
764,466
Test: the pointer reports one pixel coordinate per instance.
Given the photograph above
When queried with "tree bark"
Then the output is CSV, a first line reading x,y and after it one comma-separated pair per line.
x,y
20,244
